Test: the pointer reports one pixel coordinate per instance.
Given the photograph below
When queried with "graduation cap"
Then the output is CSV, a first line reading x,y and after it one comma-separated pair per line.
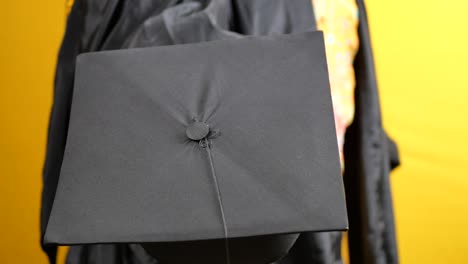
x,y
229,142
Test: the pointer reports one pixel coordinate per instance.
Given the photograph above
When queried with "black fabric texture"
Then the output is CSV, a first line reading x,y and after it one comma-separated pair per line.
x,y
367,165
113,24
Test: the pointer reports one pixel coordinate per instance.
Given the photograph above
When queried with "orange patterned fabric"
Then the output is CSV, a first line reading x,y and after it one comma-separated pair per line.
x,y
338,19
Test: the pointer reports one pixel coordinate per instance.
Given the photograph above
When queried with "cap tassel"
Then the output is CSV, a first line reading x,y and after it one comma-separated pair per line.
x,y
207,145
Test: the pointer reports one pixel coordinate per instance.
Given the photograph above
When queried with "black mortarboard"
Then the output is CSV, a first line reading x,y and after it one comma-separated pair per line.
x,y
201,142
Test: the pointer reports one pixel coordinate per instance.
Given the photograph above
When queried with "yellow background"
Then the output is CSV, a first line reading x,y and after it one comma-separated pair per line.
x,y
422,61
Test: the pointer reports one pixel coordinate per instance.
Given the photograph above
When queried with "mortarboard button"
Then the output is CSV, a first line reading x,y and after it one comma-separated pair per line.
x,y
197,130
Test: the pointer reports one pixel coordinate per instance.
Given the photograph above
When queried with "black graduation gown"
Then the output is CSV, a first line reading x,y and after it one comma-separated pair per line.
x,y
116,24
